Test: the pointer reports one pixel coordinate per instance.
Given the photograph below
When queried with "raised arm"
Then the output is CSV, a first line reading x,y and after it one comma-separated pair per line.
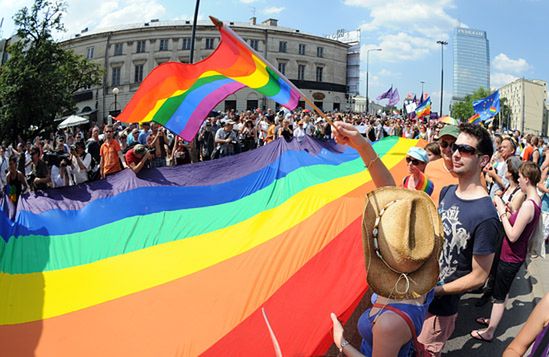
x,y
347,134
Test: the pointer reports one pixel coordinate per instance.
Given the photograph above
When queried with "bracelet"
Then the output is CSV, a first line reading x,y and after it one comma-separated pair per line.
x,y
344,343
372,161
504,214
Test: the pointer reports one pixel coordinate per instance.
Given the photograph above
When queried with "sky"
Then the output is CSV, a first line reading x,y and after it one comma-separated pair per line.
x,y
405,30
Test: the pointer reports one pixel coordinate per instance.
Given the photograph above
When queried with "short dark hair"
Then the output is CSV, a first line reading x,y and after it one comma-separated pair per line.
x,y
482,135
434,148
531,171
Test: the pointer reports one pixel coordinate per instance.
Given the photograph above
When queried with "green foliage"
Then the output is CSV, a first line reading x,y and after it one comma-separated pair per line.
x,y
39,80
464,110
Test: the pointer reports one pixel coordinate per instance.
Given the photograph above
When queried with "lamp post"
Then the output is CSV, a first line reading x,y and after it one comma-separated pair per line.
x,y
367,70
442,44
115,91
193,34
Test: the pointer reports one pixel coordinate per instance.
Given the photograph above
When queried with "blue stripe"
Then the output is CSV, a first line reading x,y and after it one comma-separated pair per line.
x,y
147,200
179,119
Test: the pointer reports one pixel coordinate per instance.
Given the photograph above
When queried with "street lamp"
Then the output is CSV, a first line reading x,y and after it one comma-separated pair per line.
x,y
367,65
193,32
442,44
115,91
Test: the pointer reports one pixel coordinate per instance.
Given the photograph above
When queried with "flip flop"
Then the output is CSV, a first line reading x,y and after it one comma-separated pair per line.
x,y
479,336
483,321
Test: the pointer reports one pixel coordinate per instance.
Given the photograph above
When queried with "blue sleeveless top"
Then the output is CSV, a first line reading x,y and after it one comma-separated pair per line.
x,y
416,313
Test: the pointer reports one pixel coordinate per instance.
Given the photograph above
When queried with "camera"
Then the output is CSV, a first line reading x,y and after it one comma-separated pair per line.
x,y
152,150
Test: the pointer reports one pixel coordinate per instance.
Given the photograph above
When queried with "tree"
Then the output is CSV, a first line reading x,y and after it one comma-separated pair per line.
x,y
464,110
39,80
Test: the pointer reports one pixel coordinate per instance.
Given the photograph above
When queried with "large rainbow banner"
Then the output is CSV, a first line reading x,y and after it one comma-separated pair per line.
x,y
181,261
180,96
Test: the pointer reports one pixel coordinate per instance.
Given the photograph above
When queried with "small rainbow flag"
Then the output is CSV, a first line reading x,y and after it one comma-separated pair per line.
x,y
180,96
493,110
424,109
475,119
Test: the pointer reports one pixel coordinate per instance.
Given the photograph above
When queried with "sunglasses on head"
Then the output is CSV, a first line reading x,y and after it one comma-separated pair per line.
x,y
465,149
414,162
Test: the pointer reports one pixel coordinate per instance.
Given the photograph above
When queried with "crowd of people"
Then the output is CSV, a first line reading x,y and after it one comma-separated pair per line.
x,y
488,219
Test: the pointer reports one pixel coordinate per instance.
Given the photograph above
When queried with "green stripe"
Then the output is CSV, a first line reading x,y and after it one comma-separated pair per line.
x,y
170,106
272,87
46,253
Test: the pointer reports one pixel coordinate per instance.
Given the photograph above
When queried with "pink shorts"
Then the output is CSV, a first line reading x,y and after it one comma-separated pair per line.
x,y
436,331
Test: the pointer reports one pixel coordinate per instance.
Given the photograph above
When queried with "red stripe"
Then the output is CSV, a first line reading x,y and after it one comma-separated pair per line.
x,y
299,312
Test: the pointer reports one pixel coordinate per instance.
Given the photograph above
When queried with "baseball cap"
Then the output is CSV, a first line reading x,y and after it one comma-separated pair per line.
x,y
448,129
418,154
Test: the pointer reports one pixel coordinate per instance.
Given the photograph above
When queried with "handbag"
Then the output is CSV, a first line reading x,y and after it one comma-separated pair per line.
x,y
419,348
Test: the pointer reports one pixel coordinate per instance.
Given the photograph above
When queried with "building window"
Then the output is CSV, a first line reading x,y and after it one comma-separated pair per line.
x,y
186,43
116,76
254,44
320,51
282,46
209,43
302,49
89,52
140,46
118,49
163,44
138,76
282,68
319,74
301,72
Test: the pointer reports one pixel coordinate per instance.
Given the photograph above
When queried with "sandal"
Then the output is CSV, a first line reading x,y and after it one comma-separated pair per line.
x,y
483,321
477,336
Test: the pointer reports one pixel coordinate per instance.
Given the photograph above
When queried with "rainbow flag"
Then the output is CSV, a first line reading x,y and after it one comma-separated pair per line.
x,y
181,261
180,96
493,110
475,119
424,108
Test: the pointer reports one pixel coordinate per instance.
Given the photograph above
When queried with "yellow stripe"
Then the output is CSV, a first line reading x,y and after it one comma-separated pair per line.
x,y
72,289
258,78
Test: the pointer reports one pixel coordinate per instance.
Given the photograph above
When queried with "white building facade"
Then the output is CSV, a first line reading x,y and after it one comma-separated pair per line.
x,y
315,64
526,99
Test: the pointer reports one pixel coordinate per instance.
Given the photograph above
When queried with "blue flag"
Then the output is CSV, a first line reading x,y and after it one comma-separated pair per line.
x,y
488,107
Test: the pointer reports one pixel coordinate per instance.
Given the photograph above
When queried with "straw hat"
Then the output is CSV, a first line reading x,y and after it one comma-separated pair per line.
x,y
402,261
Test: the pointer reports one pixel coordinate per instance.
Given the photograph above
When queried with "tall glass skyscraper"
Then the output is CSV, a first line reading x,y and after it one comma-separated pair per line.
x,y
471,62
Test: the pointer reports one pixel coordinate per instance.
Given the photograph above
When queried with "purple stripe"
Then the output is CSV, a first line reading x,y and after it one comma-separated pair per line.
x,y
199,174
205,106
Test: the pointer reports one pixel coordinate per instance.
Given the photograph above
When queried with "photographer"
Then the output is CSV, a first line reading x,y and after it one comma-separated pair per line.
x,y
61,170
225,140
81,162
137,157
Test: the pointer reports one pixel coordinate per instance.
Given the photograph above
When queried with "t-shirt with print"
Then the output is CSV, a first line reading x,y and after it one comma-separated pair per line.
x,y
471,227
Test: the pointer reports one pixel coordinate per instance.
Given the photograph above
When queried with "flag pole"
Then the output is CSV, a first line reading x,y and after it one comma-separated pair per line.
x,y
219,24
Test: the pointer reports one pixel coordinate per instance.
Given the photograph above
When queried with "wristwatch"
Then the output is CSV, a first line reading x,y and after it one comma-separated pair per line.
x,y
344,343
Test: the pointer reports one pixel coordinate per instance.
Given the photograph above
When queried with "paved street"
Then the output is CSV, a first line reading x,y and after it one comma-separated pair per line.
x,y
531,284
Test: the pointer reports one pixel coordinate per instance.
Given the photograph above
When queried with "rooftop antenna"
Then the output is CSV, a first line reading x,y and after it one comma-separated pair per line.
x,y
253,11
1,23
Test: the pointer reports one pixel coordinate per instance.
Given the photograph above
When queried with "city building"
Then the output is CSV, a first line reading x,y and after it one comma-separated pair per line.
x,y
526,99
315,64
471,62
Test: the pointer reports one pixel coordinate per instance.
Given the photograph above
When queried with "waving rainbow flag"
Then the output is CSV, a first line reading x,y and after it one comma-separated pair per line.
x,y
474,119
424,108
180,96
180,261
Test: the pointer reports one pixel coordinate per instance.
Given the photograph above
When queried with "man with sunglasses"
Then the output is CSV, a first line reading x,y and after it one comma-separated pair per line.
x,y
472,231
111,154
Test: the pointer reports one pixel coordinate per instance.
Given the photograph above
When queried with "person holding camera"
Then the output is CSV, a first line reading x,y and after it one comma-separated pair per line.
x,y
137,157
81,162
225,140
61,171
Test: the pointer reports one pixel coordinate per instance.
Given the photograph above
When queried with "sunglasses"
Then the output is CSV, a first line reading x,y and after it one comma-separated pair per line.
x,y
108,131
444,144
414,162
465,149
